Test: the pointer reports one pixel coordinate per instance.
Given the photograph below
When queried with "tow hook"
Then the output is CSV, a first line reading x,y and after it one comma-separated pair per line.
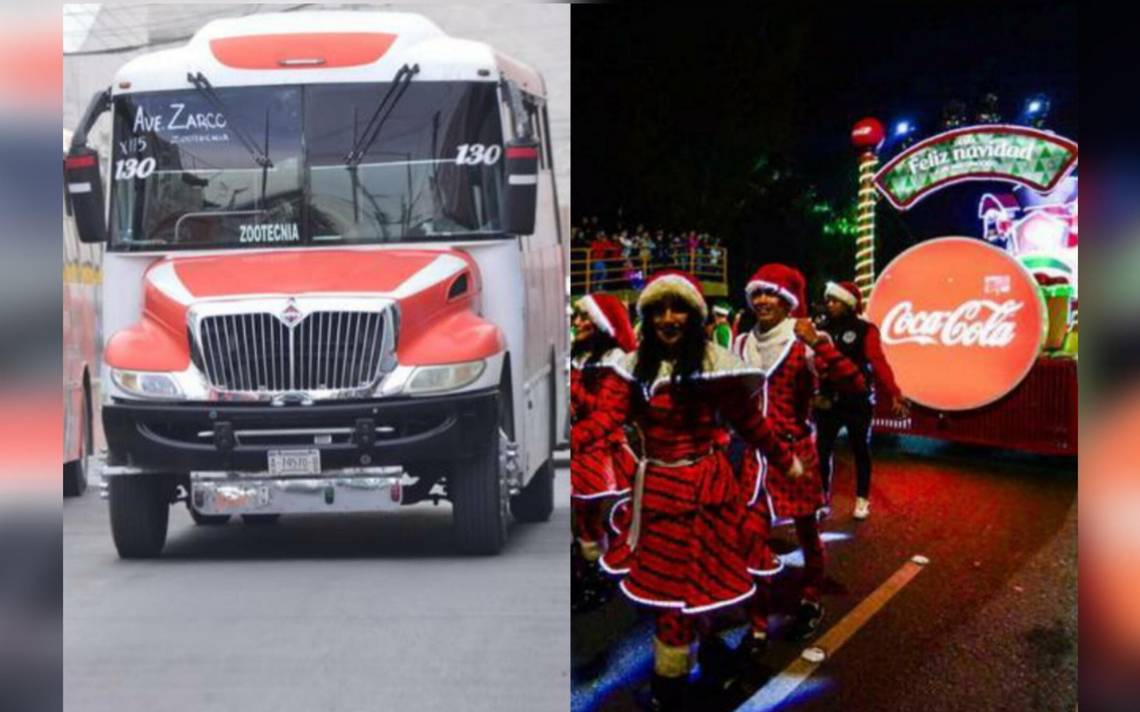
x,y
224,437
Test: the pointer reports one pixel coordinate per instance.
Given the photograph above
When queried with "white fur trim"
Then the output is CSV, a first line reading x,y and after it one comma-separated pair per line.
x,y
672,284
610,570
614,509
601,495
768,572
626,366
647,601
759,478
775,366
611,359
720,604
835,291
594,311
757,284
681,604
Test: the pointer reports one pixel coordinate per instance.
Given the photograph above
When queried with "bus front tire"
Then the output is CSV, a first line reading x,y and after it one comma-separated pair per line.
x,y
479,514
74,478
140,512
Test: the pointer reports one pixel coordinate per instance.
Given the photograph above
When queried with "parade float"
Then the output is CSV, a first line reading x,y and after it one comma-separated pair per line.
x,y
980,330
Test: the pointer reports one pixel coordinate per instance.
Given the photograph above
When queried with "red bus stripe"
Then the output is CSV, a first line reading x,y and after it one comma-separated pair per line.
x,y
79,162
522,153
332,49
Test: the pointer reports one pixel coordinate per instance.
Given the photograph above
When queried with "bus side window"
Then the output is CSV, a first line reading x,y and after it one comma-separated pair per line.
x,y
508,122
536,131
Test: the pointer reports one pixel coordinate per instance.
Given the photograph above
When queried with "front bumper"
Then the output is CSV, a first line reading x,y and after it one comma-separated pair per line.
x,y
289,495
185,437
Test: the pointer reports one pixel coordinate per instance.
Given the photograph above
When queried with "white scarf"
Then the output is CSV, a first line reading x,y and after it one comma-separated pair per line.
x,y
764,348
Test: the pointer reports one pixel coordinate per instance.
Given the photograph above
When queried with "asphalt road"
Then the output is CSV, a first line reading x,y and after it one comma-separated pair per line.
x,y
317,613
989,624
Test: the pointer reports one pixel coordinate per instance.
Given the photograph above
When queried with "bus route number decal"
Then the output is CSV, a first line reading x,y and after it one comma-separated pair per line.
x,y
472,154
130,168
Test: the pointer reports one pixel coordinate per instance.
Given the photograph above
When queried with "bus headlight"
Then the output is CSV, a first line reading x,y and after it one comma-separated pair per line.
x,y
146,384
429,379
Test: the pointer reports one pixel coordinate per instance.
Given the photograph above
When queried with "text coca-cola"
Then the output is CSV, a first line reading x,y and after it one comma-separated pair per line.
x,y
977,322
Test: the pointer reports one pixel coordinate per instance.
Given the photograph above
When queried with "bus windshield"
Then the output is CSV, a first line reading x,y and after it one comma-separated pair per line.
x,y
188,171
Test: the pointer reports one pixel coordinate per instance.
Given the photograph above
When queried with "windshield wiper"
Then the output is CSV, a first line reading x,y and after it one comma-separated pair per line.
x,y
372,129
207,90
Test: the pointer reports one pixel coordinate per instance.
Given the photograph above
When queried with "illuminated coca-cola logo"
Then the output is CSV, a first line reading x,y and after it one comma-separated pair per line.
x,y
979,322
961,322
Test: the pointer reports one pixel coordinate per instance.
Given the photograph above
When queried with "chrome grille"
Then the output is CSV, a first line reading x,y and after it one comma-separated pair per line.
x,y
325,350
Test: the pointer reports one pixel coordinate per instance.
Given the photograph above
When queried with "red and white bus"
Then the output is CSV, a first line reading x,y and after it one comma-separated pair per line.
x,y
81,273
333,280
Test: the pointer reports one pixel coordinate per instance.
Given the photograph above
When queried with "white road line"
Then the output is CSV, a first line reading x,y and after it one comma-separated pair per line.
x,y
780,687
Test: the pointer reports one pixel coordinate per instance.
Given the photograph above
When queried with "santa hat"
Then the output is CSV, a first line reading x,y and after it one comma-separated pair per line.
x,y
611,317
721,309
673,283
846,292
787,282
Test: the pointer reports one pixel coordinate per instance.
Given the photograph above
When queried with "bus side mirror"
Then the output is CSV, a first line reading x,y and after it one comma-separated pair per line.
x,y
522,186
84,187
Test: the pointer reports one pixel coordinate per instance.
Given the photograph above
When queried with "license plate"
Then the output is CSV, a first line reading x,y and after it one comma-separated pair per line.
x,y
294,462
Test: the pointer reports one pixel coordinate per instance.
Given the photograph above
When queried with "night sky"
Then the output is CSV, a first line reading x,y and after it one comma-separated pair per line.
x,y
724,120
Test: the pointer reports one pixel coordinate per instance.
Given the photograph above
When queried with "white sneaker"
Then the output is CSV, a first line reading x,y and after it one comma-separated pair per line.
x,y
862,508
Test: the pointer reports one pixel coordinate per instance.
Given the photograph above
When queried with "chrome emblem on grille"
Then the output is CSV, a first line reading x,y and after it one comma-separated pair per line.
x,y
291,315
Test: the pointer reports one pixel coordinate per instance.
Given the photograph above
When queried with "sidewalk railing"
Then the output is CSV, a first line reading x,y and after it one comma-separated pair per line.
x,y
589,273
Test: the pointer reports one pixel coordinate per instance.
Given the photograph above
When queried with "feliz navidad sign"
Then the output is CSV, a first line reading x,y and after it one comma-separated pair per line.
x,y
1030,157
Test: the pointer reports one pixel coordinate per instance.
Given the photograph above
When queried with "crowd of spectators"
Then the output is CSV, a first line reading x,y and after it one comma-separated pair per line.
x,y
622,258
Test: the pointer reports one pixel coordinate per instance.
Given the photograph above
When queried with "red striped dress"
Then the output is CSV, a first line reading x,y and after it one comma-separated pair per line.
x,y
601,466
688,554
786,401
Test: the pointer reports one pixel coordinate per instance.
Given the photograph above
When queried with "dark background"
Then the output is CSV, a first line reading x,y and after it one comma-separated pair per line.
x,y
738,122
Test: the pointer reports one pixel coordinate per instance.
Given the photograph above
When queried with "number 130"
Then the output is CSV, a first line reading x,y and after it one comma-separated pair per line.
x,y
472,154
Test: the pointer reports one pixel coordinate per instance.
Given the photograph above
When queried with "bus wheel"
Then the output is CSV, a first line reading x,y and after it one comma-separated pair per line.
x,y
479,498
74,478
140,511
75,472
536,502
207,520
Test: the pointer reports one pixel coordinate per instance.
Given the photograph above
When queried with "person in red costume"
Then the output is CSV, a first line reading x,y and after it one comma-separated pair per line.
x,y
601,469
858,340
794,357
682,555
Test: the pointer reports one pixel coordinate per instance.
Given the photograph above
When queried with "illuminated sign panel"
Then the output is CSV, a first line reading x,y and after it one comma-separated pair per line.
x,y
961,322
1033,158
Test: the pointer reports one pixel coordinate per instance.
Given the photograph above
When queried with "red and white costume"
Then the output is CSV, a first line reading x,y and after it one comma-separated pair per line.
x,y
792,371
684,550
604,466
791,380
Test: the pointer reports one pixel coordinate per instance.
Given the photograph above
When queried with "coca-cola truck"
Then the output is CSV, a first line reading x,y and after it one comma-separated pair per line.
x,y
334,277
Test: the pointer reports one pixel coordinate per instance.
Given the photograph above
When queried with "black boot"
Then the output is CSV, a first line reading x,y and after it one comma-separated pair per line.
x,y
753,649
755,671
807,621
719,665
667,693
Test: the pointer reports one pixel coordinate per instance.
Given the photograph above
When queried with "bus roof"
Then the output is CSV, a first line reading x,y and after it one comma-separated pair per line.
x,y
321,47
